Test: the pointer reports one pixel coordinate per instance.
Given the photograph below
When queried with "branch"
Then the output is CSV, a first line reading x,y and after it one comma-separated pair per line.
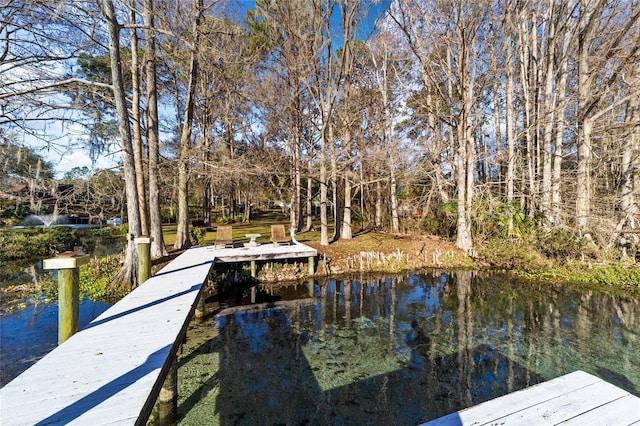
x,y
62,83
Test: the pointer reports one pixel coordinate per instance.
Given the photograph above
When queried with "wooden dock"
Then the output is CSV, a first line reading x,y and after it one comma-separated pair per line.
x,y
576,398
111,372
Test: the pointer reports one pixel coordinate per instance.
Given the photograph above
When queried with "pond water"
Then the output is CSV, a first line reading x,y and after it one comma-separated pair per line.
x,y
399,350
29,334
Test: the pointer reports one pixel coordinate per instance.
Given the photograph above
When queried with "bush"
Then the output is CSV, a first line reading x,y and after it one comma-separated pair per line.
x,y
562,244
513,255
110,231
96,276
197,235
33,243
442,221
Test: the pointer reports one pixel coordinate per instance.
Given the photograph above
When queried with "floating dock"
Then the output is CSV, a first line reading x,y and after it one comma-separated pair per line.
x,y
112,370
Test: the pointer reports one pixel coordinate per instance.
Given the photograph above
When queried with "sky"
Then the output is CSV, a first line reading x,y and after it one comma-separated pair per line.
x,y
65,157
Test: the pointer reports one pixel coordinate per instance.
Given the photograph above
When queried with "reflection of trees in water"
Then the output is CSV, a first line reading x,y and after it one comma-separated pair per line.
x,y
403,350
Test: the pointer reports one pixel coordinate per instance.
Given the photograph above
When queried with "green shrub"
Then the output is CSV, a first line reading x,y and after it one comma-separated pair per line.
x,y
110,231
197,235
223,219
562,244
442,221
95,278
513,255
166,214
33,243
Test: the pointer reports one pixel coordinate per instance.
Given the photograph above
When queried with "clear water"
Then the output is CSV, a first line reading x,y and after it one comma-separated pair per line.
x,y
400,350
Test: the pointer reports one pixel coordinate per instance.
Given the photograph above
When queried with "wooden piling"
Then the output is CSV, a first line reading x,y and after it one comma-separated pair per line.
x,y
143,244
312,269
200,309
168,397
67,264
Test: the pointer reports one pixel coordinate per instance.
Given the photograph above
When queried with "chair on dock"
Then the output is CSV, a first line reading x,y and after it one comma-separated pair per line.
x,y
278,236
224,236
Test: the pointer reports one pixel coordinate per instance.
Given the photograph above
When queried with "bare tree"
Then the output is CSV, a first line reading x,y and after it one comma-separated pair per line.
x,y
158,248
128,273
445,37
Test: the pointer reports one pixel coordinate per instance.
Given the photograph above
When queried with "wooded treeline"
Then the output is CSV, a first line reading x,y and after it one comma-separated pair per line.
x,y
471,118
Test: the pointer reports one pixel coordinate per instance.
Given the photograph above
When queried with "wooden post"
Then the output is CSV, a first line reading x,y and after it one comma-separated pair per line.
x,y
143,244
168,398
67,264
312,268
254,273
200,307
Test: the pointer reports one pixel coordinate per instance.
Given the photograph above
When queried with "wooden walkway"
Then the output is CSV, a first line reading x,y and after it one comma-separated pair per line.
x,y
111,371
576,398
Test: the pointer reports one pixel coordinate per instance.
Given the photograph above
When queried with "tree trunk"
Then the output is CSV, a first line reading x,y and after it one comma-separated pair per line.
x,y
158,248
324,229
393,188
309,196
561,102
137,125
127,276
528,85
334,187
182,233
550,103
510,121
379,205
585,126
346,233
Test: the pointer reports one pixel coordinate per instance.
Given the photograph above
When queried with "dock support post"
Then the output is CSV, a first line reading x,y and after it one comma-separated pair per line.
x,y
67,264
312,268
168,398
200,307
143,243
254,274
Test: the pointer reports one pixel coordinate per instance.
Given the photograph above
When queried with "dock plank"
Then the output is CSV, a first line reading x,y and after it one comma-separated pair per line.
x,y
627,407
558,401
111,371
565,406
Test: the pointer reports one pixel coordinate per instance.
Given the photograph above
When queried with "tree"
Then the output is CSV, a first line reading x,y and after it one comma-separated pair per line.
x,y
153,134
446,39
182,233
613,50
128,273
23,167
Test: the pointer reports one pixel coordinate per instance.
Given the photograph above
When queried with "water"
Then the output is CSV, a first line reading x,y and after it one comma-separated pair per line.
x,y
28,335
401,350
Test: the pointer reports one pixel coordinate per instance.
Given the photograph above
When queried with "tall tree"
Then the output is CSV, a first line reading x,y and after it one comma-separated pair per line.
x,y
612,51
182,233
158,248
446,39
136,122
128,273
